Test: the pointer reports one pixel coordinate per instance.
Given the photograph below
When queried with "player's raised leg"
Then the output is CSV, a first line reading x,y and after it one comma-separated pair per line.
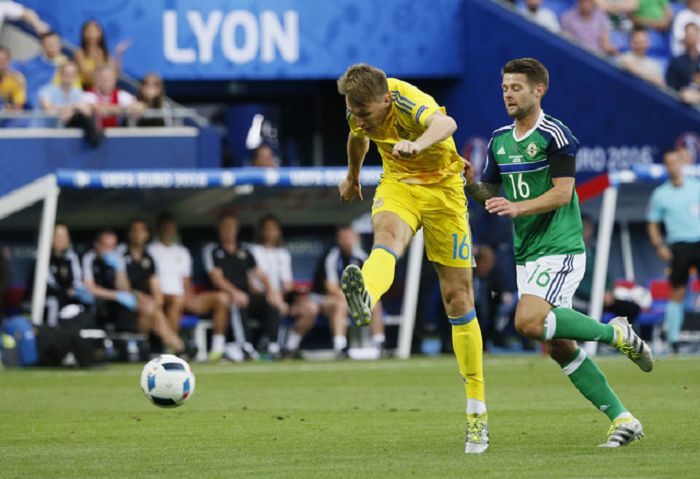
x,y
458,299
566,323
364,288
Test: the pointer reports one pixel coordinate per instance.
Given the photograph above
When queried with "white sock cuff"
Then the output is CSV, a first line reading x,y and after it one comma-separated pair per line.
x,y
571,368
339,342
474,406
550,326
218,342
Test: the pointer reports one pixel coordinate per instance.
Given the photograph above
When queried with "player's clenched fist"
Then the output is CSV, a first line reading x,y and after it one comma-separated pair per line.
x,y
350,190
468,172
405,149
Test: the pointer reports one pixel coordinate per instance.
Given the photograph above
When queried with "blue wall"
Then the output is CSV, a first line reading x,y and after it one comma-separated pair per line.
x,y
25,159
270,39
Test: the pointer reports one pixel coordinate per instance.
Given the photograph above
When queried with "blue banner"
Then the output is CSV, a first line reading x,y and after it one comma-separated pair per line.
x,y
268,39
210,178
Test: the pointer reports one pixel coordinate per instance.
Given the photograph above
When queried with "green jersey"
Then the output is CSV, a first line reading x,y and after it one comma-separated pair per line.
x,y
522,165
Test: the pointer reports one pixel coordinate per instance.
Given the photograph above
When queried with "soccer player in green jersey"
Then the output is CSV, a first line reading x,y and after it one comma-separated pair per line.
x,y
534,159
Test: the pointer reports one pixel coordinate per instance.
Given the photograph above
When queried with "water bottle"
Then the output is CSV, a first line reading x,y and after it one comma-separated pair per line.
x,y
132,350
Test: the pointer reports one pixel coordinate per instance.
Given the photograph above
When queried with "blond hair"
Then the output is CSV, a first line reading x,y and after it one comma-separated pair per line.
x,y
363,84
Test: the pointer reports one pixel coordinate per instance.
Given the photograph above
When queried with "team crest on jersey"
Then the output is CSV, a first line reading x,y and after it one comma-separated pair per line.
x,y
532,149
145,263
242,254
64,271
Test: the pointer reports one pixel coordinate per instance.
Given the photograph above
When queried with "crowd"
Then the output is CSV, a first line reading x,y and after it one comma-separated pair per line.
x,y
144,286
657,40
76,88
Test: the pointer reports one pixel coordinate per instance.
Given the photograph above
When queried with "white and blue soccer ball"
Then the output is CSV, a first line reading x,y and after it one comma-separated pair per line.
x,y
167,381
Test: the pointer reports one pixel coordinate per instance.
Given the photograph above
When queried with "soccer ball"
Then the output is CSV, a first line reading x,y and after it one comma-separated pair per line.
x,y
167,381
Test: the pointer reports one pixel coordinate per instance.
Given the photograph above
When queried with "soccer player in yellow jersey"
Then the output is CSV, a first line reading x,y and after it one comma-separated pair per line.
x,y
422,186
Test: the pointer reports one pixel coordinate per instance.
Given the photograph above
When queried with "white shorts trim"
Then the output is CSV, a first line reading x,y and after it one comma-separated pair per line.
x,y
552,278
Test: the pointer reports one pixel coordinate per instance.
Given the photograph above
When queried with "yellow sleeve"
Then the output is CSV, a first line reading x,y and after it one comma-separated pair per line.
x,y
409,100
19,95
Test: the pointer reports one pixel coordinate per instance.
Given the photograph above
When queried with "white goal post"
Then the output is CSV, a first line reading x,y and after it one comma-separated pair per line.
x,y
653,174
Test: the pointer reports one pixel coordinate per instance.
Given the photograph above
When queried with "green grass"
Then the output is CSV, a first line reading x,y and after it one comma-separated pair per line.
x,y
344,419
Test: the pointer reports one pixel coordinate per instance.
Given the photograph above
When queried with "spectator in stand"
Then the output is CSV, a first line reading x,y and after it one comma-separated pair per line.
x,y
44,68
263,157
638,63
619,11
64,285
141,272
275,260
691,14
327,293
653,14
691,93
676,204
152,95
93,53
582,296
174,269
67,102
16,11
233,270
681,68
588,25
543,16
105,276
13,89
109,101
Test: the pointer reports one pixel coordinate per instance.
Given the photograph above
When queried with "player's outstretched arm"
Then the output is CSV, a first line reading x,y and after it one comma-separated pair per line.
x,y
357,149
556,197
439,127
476,190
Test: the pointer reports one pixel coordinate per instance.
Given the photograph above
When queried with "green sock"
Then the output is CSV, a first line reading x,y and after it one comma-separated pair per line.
x,y
565,323
591,382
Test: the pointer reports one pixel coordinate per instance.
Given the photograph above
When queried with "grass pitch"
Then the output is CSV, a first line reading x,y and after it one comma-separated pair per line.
x,y
345,419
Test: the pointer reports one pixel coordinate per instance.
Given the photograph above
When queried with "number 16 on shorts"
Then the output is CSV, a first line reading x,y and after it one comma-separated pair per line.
x,y
461,246
554,278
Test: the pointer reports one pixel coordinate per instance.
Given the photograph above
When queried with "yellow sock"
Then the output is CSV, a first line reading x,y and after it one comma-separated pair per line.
x,y
378,272
468,347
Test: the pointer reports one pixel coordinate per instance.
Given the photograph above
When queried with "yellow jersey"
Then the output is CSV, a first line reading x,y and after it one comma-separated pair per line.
x,y
13,89
410,107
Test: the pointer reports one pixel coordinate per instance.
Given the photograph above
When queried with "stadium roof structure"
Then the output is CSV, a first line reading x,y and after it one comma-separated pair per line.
x,y
95,199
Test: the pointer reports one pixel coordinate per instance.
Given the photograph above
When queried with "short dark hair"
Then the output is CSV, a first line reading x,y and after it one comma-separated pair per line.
x,y
105,232
164,217
268,217
133,221
48,34
638,29
535,71
226,215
